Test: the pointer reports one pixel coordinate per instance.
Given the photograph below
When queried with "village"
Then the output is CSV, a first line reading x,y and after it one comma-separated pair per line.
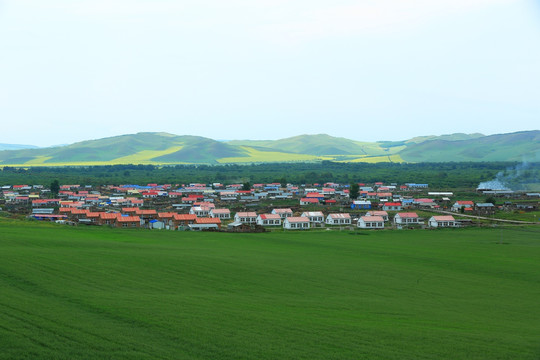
x,y
257,207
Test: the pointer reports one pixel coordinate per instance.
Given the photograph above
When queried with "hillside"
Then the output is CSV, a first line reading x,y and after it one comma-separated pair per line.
x,y
517,146
318,145
16,147
165,148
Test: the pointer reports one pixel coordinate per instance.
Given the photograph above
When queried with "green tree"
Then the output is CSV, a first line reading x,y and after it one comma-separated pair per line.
x,y
354,190
55,188
246,186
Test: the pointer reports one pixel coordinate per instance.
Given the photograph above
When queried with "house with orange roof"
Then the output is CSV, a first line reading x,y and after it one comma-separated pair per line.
x,y
183,220
206,223
107,218
128,221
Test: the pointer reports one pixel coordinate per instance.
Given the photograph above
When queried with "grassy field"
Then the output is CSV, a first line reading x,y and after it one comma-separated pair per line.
x,y
78,293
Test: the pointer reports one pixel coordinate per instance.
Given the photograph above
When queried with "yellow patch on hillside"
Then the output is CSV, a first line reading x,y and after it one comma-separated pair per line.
x,y
255,155
376,159
145,156
38,161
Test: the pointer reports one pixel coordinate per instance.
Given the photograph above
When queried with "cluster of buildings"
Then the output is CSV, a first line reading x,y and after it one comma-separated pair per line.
x,y
212,206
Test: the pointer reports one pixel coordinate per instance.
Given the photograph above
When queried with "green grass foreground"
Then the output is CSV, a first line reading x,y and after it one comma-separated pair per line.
x,y
95,293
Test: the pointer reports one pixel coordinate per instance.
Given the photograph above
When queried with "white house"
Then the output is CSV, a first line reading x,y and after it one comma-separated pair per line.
x,y
382,214
392,206
443,221
200,211
315,217
298,222
269,220
338,219
462,204
220,213
246,217
371,222
283,213
406,218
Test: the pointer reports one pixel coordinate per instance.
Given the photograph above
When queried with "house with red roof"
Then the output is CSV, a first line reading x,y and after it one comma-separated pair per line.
x,y
309,201
392,206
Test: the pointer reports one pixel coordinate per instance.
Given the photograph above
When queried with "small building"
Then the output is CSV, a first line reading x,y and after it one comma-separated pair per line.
x,y
462,204
183,220
246,217
338,219
206,224
361,204
485,208
406,218
200,211
443,221
309,201
315,217
371,222
269,220
222,214
283,213
392,206
380,213
296,223
128,221
107,218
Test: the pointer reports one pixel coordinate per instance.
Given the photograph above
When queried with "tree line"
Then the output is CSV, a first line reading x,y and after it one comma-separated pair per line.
x,y
437,175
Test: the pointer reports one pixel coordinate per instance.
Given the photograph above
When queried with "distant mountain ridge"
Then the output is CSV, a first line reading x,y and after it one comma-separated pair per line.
x,y
164,148
16,147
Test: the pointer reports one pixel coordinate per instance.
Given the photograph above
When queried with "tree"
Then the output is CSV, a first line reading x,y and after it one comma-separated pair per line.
x,y
246,186
55,188
354,190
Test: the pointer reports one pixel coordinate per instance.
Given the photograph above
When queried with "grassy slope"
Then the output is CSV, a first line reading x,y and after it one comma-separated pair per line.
x,y
510,147
99,293
163,148
318,145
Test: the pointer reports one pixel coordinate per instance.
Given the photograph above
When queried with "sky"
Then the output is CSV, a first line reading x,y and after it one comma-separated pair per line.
x,y
366,70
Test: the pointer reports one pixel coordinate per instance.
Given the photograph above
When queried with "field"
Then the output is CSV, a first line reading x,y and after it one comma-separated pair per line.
x,y
78,293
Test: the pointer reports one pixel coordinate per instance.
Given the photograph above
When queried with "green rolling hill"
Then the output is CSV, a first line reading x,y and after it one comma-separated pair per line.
x,y
165,148
517,146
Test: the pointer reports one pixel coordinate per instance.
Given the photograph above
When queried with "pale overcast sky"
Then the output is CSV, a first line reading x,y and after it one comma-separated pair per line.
x,y
266,69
